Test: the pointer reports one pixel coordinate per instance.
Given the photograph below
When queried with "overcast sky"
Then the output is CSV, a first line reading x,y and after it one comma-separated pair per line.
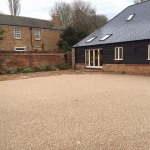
x,y
40,8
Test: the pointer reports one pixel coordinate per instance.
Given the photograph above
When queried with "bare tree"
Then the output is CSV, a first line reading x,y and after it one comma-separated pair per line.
x,y
14,7
64,11
139,1
79,15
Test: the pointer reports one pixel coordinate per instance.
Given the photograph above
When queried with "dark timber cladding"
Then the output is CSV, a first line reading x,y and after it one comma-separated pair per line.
x,y
134,52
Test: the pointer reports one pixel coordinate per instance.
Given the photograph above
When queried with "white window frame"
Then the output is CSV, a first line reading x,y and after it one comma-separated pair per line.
x,y
91,39
130,17
117,57
148,52
20,50
17,33
105,37
89,58
37,34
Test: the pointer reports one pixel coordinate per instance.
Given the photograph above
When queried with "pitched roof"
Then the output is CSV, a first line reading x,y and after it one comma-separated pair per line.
x,y
121,30
24,22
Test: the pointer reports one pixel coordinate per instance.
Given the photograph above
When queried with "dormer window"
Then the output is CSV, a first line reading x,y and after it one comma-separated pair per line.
x,y
91,39
105,37
130,17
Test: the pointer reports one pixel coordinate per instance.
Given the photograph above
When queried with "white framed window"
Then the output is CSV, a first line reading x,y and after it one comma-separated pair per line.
x,y
148,52
20,49
118,53
130,17
105,37
17,33
37,35
91,39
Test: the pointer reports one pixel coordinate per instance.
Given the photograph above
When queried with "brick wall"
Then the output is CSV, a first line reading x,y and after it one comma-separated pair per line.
x,y
49,38
24,60
130,68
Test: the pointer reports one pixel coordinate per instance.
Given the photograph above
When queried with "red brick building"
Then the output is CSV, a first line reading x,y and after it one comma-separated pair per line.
x,y
29,34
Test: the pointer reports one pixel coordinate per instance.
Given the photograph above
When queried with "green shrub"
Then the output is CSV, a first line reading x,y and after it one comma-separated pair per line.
x,y
11,71
37,69
1,66
63,66
50,68
27,70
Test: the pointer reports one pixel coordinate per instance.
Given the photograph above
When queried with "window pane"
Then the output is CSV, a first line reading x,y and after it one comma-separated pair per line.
x,y
37,35
121,53
91,57
116,52
17,33
96,57
20,49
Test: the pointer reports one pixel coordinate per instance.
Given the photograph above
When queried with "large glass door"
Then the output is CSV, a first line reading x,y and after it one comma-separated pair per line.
x,y
93,58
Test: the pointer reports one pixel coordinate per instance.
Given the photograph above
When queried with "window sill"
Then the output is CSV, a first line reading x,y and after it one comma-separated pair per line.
x,y
17,38
37,39
118,59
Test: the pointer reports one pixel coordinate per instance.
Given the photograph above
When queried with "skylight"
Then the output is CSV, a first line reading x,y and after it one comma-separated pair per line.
x,y
130,17
91,39
105,37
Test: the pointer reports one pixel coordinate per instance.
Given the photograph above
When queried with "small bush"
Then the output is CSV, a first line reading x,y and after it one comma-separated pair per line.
x,y
63,66
27,70
1,66
37,69
50,68
11,71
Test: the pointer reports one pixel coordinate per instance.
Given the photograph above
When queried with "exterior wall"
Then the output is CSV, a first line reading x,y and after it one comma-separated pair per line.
x,y
123,68
135,55
135,52
23,60
48,37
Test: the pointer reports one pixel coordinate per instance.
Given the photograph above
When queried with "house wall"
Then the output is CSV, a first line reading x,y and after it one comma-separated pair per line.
x,y
135,55
49,38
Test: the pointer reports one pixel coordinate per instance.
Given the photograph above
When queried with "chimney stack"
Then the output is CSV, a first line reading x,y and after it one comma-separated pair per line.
x,y
56,20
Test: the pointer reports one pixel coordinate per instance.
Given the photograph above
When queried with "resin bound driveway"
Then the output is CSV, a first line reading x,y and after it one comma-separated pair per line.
x,y
92,111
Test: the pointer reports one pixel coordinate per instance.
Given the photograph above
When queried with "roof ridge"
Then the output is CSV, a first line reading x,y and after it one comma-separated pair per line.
x,y
23,17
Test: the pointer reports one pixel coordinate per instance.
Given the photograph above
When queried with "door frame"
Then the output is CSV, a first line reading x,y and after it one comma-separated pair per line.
x,y
99,49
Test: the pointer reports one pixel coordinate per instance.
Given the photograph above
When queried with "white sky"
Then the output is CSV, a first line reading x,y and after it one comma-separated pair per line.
x,y
40,8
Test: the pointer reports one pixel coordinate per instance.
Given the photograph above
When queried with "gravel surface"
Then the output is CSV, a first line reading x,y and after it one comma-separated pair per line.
x,y
75,112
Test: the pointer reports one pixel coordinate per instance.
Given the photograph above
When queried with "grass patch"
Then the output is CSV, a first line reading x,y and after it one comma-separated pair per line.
x,y
27,70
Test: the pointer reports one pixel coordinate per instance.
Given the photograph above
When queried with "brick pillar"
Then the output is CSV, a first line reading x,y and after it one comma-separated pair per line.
x,y
73,58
